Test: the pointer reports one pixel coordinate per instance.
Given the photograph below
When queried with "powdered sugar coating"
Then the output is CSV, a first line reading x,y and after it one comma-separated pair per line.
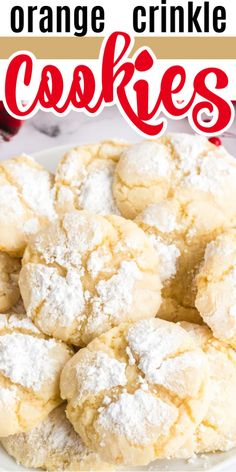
x,y
96,193
148,413
81,276
114,295
216,283
168,255
84,178
8,397
188,147
53,445
142,176
176,166
202,165
34,182
179,232
159,218
26,201
63,296
30,367
144,417
97,372
155,346
217,432
33,365
18,321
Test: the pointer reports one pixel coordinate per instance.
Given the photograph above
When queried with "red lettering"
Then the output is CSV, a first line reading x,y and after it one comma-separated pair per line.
x,y
122,81
168,90
11,81
223,108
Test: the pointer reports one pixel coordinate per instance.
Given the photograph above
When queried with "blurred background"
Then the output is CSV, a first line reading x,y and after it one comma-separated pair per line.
x,y
45,131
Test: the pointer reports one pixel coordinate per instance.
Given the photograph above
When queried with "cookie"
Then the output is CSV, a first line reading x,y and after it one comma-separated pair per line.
x,y
84,178
217,431
216,284
9,274
86,274
137,392
179,233
26,202
191,166
53,445
30,367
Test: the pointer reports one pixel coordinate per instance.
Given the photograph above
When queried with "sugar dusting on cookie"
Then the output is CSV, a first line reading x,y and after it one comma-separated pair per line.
x,y
140,417
85,275
98,372
32,365
33,183
96,192
168,256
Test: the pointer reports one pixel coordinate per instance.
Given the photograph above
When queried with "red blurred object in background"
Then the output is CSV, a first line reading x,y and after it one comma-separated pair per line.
x,y
216,141
9,126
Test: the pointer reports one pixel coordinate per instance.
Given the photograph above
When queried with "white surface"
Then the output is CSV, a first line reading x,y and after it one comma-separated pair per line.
x,y
118,16
77,129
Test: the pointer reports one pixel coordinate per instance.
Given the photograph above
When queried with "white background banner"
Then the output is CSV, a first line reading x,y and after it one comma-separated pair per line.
x,y
118,15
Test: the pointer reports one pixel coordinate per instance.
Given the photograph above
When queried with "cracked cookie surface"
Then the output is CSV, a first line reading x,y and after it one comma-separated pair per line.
x,y
217,431
86,274
177,166
26,202
53,445
216,287
180,233
84,178
137,392
30,368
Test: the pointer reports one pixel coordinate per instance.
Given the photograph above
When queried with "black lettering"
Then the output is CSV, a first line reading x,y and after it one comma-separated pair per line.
x,y
17,19
97,19
63,12
46,23
138,25
163,16
81,21
31,18
193,14
180,11
152,21
206,17
219,19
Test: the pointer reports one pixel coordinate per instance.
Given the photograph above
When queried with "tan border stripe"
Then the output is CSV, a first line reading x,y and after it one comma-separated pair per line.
x,y
89,47
52,48
190,48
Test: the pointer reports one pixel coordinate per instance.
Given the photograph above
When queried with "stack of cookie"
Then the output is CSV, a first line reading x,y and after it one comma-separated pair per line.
x,y
118,302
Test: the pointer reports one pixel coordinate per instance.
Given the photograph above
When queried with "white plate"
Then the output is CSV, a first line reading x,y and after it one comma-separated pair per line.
x,y
210,462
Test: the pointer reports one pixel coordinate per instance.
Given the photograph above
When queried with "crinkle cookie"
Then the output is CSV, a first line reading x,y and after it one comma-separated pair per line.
x,y
188,165
86,274
53,446
9,274
216,284
26,202
30,367
217,432
138,392
84,178
179,233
